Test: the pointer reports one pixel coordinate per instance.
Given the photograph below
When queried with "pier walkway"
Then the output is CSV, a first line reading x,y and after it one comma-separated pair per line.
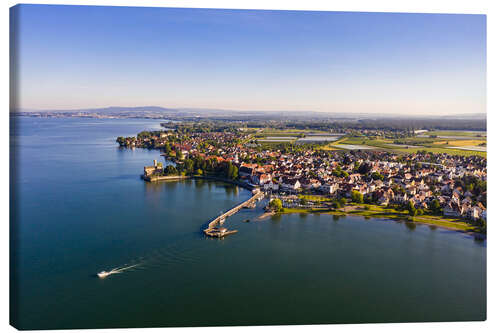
x,y
213,226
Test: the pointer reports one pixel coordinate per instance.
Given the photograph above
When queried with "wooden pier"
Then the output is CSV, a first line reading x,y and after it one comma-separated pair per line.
x,y
214,227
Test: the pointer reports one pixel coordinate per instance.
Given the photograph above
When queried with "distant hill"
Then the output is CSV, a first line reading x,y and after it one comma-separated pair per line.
x,y
209,111
115,109
476,121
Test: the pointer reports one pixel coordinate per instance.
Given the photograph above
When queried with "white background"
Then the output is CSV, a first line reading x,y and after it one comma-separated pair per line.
x,y
422,6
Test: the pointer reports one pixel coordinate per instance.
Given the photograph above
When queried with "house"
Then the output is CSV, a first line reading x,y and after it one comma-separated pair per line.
x,y
401,197
329,188
411,189
270,186
246,170
354,178
467,201
290,184
452,209
310,184
474,212
261,178
383,200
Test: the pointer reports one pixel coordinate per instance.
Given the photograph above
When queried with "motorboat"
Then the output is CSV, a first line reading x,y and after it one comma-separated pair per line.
x,y
103,274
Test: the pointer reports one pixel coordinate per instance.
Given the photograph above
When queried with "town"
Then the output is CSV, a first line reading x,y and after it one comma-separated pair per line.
x,y
426,186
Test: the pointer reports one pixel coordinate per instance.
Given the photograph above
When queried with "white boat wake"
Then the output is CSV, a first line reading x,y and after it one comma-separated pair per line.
x,y
117,270
176,253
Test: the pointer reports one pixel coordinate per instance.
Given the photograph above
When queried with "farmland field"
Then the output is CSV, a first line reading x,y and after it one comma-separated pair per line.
x,y
466,147
457,133
464,143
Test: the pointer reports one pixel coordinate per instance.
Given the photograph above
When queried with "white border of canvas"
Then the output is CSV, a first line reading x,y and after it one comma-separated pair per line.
x,y
422,6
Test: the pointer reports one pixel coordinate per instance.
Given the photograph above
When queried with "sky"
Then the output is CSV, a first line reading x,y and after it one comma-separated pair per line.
x,y
70,57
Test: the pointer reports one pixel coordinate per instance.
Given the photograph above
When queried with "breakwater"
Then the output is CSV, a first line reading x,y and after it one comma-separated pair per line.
x,y
158,178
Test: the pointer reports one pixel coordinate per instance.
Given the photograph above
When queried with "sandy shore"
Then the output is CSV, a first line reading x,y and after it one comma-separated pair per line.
x,y
265,215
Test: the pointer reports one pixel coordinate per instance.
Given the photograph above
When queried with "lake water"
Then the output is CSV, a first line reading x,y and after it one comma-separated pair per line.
x,y
317,138
79,207
353,147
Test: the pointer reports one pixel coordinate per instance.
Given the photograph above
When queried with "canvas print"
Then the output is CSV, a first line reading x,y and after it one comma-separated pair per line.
x,y
215,167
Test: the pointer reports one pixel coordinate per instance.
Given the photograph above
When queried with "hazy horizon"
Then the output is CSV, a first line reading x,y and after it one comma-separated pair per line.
x,y
201,109
84,57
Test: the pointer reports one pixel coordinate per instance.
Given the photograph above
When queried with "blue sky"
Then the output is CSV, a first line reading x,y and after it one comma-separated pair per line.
x,y
84,56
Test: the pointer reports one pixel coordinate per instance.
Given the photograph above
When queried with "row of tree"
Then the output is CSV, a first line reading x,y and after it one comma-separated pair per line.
x,y
197,165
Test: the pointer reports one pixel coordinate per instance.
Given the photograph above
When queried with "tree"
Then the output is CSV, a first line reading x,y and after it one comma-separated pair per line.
x,y
232,171
168,149
120,140
276,205
364,168
435,206
144,134
189,166
481,223
377,176
356,196
170,170
336,204
343,202
412,211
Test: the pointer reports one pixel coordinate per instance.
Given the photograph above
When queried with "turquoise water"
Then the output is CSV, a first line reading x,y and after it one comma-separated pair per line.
x,y
79,207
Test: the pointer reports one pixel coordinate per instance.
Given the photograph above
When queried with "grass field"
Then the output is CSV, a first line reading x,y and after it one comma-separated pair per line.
x,y
455,133
271,137
460,142
315,198
449,151
435,145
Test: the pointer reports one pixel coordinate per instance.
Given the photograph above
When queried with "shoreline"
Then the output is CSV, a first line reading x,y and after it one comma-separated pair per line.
x,y
356,210
381,217
180,177
265,215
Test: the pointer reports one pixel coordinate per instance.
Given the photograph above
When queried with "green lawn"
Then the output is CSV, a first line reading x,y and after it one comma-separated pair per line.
x,y
375,211
442,150
315,198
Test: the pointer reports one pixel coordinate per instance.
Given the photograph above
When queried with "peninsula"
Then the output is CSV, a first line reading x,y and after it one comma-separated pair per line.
x,y
416,174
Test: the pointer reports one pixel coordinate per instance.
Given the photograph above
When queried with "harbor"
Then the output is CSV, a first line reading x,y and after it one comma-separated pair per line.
x,y
215,228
